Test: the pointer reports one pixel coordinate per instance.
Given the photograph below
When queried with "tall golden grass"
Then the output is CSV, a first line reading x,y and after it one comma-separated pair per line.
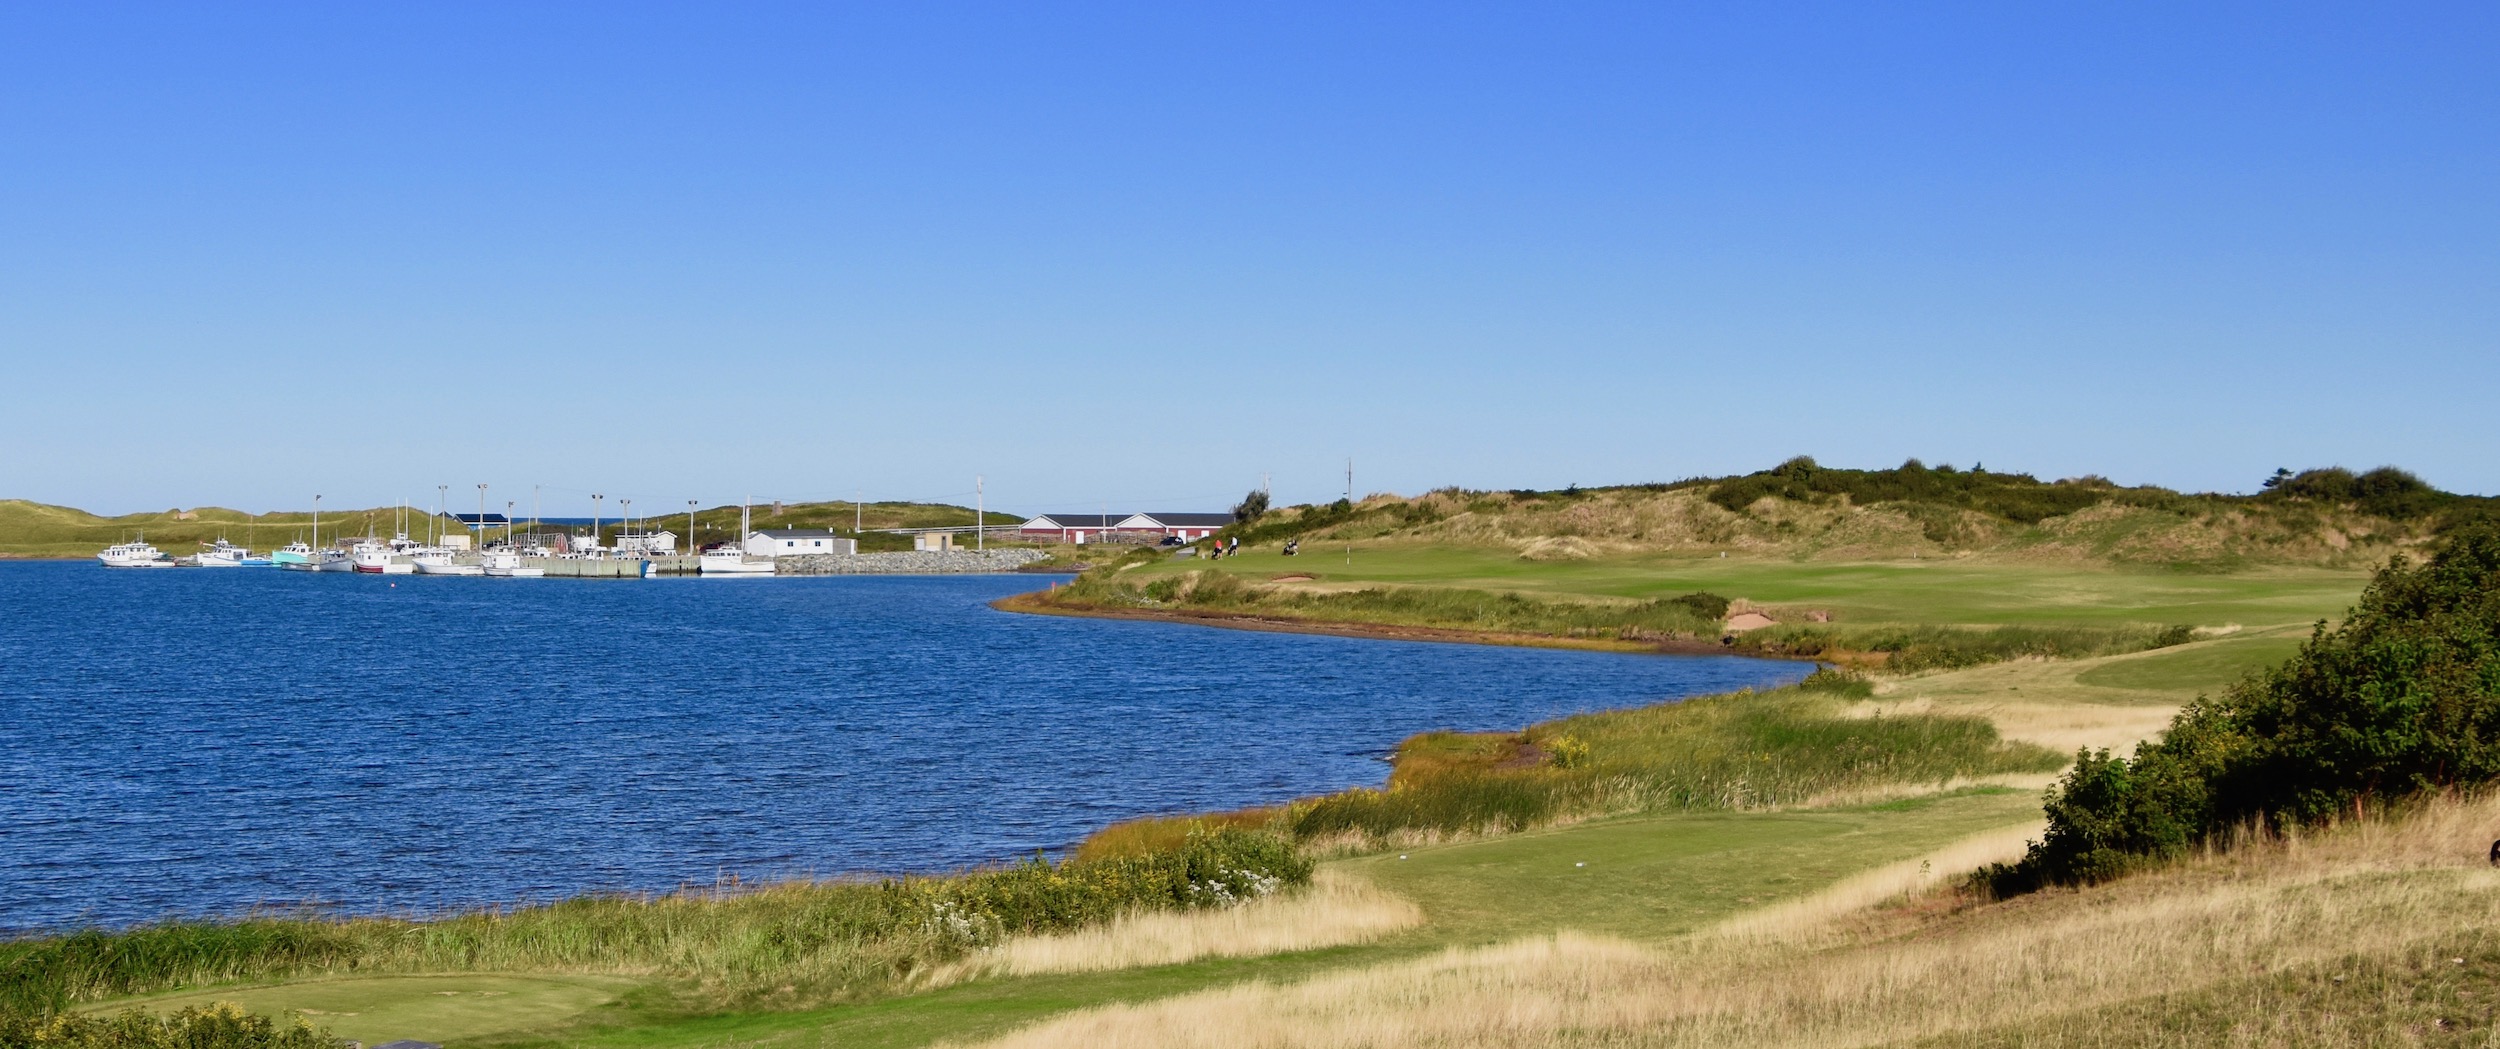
x,y
2051,966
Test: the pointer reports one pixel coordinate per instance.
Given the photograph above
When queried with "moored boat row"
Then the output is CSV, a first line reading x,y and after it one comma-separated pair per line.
x,y
398,555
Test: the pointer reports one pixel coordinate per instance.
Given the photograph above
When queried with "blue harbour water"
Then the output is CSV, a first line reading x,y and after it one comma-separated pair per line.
x,y
206,742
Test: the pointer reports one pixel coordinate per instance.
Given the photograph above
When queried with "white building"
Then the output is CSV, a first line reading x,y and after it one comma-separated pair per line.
x,y
783,542
1069,528
1183,526
647,544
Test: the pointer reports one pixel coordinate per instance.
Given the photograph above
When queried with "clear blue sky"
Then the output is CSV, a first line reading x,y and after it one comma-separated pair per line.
x,y
1142,254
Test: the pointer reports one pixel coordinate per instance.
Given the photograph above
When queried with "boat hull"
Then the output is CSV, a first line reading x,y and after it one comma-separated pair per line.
x,y
710,565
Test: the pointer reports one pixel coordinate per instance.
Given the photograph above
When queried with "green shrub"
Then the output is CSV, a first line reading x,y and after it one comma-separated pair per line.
x,y
221,1026
1910,649
2403,698
1838,681
1743,750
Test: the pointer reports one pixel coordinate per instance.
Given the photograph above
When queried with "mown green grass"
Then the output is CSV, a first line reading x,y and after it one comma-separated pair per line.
x,y
1659,876
1941,592
2194,667
376,1009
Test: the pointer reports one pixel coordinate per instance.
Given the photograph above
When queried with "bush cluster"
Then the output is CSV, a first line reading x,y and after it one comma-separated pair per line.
x,y
2403,698
2015,497
2386,491
221,1026
1742,750
1911,649
1209,867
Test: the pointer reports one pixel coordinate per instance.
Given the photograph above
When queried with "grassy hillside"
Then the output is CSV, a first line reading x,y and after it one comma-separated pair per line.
x,y
29,529
1910,567
2327,518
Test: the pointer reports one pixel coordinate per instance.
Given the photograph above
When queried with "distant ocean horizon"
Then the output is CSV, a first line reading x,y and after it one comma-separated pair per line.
x,y
202,743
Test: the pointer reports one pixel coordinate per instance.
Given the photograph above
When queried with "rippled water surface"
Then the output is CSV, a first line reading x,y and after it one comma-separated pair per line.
x,y
205,741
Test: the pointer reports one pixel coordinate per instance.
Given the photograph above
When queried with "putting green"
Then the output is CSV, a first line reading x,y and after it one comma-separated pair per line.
x,y
377,1009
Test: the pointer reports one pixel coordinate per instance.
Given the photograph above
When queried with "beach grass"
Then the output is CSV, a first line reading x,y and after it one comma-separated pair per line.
x,y
776,945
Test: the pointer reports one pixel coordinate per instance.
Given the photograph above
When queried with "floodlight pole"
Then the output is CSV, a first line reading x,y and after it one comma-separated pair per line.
x,y
481,515
980,517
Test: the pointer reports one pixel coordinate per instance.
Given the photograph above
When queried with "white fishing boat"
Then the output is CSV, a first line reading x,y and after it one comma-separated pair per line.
x,y
435,560
505,564
732,561
731,558
335,559
368,557
134,554
400,555
227,555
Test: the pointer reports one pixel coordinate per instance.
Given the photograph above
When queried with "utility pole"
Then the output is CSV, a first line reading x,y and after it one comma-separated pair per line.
x,y
534,509
1349,502
980,517
481,515
690,526
857,515
316,526
508,538
627,513
594,519
442,497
